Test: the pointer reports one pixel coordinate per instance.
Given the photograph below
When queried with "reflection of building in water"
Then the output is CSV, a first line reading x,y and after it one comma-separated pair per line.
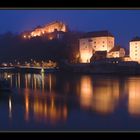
x,y
86,92
101,95
45,110
134,96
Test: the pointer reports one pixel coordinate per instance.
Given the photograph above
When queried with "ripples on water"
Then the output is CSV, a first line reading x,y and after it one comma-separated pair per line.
x,y
70,102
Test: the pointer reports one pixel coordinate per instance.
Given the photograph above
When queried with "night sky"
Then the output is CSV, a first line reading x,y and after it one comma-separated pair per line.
x,y
123,24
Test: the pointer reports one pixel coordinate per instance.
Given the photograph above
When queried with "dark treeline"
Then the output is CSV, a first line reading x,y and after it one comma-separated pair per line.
x,y
14,47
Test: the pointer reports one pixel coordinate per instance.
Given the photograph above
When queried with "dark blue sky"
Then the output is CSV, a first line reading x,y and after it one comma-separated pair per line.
x,y
124,24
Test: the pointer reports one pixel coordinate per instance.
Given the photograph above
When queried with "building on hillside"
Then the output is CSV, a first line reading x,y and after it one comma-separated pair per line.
x,y
54,29
95,41
134,49
116,51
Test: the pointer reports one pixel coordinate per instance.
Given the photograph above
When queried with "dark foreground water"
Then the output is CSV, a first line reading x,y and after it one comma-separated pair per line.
x,y
63,102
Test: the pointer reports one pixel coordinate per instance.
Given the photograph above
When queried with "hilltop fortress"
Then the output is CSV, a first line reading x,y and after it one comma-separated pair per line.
x,y
52,30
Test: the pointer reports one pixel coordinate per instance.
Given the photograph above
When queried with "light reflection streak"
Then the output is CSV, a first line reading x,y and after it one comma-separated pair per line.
x,y
50,83
26,107
10,107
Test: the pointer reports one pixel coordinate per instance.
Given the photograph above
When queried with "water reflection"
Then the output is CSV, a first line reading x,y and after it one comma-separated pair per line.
x,y
27,107
100,95
86,92
51,98
32,81
134,96
10,107
49,111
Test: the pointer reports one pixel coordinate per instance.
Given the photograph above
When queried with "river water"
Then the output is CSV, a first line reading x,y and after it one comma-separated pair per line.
x,y
70,102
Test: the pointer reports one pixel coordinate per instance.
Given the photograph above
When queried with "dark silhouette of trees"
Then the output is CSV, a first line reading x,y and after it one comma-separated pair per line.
x,y
13,46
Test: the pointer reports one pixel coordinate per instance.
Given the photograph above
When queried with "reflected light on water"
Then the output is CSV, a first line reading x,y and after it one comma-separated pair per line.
x,y
26,107
50,82
134,97
106,96
18,80
86,92
100,96
43,81
10,107
49,112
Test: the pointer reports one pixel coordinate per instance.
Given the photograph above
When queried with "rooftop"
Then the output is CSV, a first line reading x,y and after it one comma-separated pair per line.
x,y
97,34
114,49
136,38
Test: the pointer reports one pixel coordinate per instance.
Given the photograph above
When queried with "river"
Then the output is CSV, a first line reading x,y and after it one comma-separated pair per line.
x,y
70,102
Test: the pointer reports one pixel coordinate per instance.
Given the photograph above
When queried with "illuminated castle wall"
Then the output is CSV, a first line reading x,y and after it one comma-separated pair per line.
x,y
49,28
135,49
95,41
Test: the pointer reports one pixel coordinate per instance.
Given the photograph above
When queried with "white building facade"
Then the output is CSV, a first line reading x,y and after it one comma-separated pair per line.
x,y
134,49
95,41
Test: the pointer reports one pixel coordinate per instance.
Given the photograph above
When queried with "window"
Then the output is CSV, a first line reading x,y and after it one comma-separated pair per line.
x,y
95,42
136,43
103,45
103,42
90,40
94,46
135,46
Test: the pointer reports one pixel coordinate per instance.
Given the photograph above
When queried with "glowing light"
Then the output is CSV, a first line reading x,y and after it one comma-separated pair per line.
x,y
9,76
24,36
42,70
50,38
10,108
85,56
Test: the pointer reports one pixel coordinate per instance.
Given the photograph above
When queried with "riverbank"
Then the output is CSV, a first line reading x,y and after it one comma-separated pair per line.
x,y
97,67
102,67
28,69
